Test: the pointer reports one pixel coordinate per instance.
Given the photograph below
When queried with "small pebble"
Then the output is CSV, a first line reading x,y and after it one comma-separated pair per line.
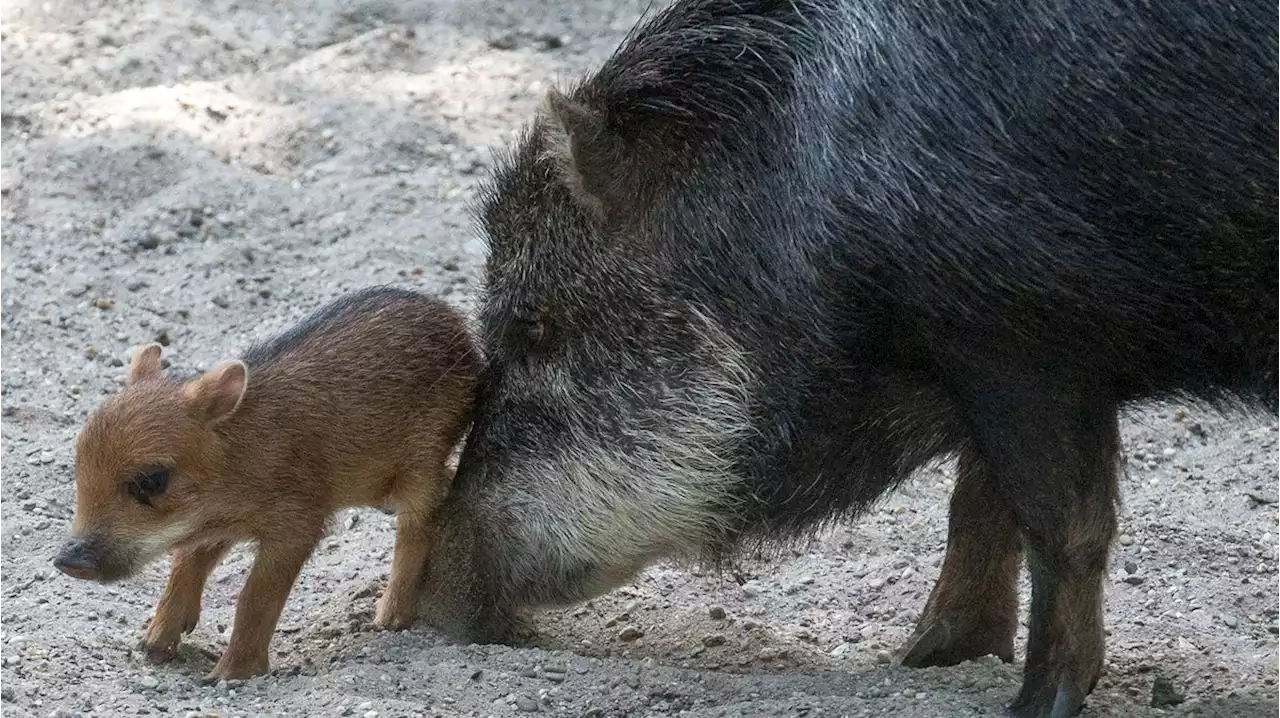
x,y
1134,580
1126,540
716,613
1164,694
713,640
525,704
1230,620
149,682
630,633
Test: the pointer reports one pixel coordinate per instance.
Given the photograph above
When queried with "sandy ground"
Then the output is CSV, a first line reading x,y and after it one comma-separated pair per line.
x,y
203,173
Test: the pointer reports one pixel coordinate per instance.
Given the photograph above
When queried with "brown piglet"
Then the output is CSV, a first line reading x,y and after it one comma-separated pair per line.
x,y
361,404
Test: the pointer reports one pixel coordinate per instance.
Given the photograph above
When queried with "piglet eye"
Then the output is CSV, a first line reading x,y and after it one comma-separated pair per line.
x,y
148,484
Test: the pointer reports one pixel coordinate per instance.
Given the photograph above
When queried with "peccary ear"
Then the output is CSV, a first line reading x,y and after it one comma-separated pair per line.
x,y
145,364
217,393
589,154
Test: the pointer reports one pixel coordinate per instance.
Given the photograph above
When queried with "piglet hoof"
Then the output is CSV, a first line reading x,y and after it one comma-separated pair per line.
x,y
160,653
233,670
1061,698
159,644
393,616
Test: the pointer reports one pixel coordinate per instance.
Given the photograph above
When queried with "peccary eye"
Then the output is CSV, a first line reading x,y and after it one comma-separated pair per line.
x,y
148,484
531,327
535,330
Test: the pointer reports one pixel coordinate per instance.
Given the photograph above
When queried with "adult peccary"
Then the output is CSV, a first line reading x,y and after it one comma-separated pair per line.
x,y
773,256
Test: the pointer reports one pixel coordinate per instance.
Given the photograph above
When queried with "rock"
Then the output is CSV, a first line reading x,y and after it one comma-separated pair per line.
x,y
1230,620
884,657
1164,694
841,649
1126,540
717,613
1130,567
713,640
525,704
504,42
629,634
149,682
1262,497
1134,580
10,179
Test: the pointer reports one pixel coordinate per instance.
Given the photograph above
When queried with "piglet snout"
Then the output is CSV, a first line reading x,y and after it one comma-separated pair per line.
x,y
76,560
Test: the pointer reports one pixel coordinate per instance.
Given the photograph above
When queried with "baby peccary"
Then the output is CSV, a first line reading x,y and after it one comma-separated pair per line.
x,y
360,404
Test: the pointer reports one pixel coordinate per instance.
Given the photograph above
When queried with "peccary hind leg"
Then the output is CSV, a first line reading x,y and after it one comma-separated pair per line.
x,y
1053,455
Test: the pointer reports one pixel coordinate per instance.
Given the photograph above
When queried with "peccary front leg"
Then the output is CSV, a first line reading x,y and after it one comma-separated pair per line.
x,y
261,601
973,609
464,589
179,607
1053,455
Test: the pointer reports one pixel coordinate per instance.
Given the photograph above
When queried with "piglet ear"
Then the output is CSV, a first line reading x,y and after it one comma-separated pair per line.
x,y
145,364
589,155
217,394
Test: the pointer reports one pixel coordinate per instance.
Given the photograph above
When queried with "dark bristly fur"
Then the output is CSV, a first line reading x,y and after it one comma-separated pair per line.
x,y
774,256
329,319
360,404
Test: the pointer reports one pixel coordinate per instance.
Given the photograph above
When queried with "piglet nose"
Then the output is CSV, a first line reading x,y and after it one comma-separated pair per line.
x,y
74,560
